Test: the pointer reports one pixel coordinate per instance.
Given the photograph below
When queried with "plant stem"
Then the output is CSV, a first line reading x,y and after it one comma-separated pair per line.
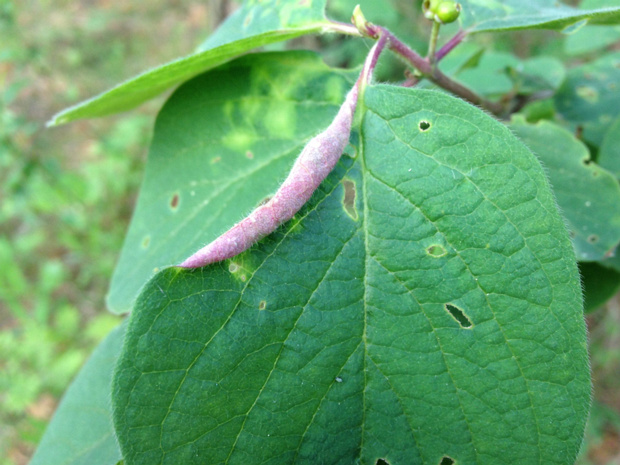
x,y
432,43
448,46
432,73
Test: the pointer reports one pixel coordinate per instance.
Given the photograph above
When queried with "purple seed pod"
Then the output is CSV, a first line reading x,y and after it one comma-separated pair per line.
x,y
315,162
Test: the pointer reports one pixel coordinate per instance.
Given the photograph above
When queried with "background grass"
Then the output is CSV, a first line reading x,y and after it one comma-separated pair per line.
x,y
66,196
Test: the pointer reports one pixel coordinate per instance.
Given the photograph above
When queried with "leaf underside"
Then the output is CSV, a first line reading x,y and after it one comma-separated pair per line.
x,y
255,24
344,335
505,15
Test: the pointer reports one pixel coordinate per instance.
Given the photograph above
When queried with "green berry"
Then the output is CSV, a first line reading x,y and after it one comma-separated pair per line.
x,y
429,7
447,12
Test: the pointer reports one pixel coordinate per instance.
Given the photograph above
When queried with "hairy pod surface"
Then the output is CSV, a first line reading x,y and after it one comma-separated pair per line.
x,y
315,162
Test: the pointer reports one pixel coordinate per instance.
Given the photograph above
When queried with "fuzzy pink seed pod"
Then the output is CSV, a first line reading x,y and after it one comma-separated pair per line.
x,y
315,162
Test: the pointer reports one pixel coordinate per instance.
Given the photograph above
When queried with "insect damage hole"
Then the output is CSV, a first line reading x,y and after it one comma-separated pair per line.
x,y
459,316
382,462
262,305
348,200
447,461
424,125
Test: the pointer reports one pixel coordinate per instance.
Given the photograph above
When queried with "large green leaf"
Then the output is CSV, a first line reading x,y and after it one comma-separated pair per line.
x,y
210,162
589,98
504,15
424,304
589,196
81,431
256,23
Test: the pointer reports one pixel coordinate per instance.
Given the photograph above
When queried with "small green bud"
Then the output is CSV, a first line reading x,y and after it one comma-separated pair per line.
x,y
429,7
447,12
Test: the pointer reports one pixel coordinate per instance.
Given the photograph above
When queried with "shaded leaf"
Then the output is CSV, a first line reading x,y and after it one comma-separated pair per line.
x,y
81,431
505,15
599,285
222,144
588,195
343,338
589,98
256,23
499,73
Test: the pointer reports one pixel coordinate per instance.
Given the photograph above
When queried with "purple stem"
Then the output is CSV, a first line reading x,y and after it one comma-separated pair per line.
x,y
433,73
449,46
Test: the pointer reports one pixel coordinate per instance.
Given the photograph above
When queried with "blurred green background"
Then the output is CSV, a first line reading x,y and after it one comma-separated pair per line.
x,y
66,196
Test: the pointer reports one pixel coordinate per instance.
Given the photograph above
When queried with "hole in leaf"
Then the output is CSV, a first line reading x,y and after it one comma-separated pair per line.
x,y
447,461
424,126
382,462
436,250
459,316
174,202
262,305
592,238
348,201
587,161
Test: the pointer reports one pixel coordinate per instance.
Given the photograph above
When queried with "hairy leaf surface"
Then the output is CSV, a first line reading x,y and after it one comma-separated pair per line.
x,y
588,195
81,432
256,23
222,144
424,304
505,15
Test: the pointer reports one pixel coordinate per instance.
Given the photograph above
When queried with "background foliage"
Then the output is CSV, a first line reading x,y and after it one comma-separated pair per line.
x,y
66,194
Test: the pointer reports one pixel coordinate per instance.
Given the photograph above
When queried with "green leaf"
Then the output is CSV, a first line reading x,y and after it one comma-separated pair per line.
x,y
258,17
81,432
589,97
490,76
210,162
609,153
498,73
590,39
599,285
257,23
588,195
505,15
442,319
